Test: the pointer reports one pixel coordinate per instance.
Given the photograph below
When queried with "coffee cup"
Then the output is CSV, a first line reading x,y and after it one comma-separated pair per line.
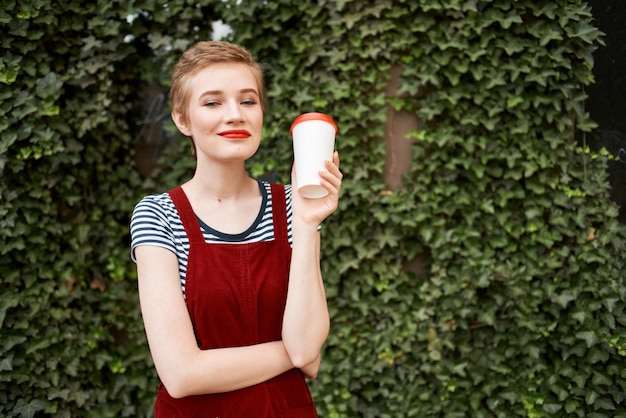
x,y
313,143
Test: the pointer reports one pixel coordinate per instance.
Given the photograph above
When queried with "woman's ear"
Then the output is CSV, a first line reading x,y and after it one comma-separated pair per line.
x,y
180,123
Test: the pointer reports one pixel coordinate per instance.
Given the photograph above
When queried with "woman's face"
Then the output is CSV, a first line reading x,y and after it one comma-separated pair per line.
x,y
225,117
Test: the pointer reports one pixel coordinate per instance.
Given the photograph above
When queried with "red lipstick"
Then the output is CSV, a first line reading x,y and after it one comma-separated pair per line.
x,y
235,134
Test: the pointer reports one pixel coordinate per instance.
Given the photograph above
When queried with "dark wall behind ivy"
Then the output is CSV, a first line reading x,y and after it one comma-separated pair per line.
x,y
517,308
607,97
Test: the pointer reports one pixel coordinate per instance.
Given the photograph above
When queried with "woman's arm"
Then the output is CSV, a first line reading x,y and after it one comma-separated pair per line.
x,y
310,370
182,366
306,320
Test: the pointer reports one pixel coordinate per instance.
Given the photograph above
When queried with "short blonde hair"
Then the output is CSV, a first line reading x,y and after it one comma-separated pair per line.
x,y
202,55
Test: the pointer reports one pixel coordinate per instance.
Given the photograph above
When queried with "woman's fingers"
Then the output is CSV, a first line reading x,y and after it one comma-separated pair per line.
x,y
333,176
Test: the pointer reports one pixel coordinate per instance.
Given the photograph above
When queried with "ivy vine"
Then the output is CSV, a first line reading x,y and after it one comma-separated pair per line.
x,y
489,284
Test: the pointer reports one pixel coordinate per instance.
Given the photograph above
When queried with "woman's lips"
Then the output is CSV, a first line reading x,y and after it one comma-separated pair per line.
x,y
235,134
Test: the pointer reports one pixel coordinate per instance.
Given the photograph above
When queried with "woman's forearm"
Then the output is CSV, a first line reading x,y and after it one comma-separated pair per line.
x,y
227,369
306,320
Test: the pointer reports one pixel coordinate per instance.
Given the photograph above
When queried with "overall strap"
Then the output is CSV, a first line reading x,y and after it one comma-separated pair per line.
x,y
187,215
279,211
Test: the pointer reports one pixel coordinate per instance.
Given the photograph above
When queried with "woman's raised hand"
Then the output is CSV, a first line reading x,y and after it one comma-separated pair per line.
x,y
314,211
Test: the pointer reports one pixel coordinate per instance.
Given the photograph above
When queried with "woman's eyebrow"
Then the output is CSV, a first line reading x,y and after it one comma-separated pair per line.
x,y
211,92
219,92
249,90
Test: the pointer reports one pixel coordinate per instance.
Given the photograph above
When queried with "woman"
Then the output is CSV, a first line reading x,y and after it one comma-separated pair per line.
x,y
230,286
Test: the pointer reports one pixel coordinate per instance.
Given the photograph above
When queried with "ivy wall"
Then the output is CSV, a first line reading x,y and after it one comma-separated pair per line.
x,y
476,272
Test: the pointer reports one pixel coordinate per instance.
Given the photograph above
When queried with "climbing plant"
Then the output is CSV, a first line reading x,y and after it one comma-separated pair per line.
x,y
517,307
73,78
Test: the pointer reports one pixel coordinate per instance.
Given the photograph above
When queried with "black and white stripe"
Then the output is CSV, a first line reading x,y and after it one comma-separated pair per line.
x,y
155,222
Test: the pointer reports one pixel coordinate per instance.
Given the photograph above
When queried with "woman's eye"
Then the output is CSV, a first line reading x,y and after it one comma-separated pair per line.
x,y
248,102
211,103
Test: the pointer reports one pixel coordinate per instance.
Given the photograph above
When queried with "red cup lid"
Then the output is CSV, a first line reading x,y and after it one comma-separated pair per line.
x,y
313,116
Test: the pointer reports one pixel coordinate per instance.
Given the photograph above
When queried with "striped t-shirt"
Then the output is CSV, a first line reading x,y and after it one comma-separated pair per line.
x,y
155,221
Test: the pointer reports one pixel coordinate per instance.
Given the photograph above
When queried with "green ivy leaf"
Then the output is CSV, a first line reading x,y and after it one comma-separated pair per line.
x,y
28,409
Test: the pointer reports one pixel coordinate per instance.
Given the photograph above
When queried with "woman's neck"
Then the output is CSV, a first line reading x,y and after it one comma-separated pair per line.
x,y
221,185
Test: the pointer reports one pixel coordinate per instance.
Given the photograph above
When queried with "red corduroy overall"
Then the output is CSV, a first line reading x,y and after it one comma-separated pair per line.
x,y
236,296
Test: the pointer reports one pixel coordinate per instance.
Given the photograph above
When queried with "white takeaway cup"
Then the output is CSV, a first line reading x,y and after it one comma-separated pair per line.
x,y
313,143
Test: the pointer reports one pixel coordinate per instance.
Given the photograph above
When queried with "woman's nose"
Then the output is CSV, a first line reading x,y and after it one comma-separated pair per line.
x,y
233,112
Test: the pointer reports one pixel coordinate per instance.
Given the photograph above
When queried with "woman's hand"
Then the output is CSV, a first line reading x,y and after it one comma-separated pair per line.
x,y
314,211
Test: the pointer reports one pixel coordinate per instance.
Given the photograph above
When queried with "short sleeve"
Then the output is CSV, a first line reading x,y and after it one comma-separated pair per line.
x,y
150,224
